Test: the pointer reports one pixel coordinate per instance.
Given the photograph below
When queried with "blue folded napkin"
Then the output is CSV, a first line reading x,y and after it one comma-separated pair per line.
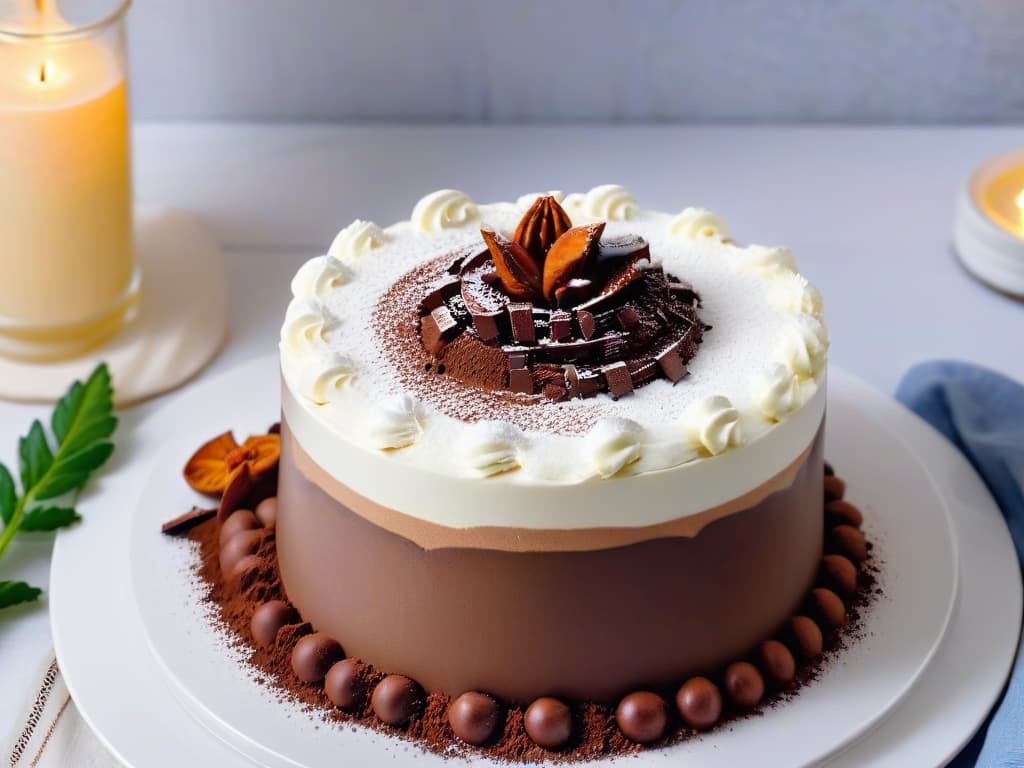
x,y
982,413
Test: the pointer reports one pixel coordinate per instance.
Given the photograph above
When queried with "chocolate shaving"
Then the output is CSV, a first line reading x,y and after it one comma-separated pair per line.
x,y
641,325
182,524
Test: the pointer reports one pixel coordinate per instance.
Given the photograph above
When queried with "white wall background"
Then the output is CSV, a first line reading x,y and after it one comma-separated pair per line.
x,y
498,60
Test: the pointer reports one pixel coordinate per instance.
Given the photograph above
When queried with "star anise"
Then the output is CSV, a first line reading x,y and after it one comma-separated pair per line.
x,y
545,254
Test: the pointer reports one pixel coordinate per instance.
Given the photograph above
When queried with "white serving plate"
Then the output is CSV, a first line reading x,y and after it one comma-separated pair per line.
x,y
157,685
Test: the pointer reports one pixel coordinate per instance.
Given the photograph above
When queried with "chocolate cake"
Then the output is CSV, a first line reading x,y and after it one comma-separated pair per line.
x,y
542,459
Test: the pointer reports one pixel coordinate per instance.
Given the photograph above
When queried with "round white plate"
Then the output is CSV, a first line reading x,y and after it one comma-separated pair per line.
x,y
130,699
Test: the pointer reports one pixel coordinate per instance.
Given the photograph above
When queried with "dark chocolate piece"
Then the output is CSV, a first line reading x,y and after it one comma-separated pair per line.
x,y
572,351
520,315
645,373
628,318
590,383
520,380
572,381
396,699
430,335
182,524
642,716
437,297
586,323
684,292
561,326
619,381
268,619
473,717
548,722
671,363
313,655
699,703
486,325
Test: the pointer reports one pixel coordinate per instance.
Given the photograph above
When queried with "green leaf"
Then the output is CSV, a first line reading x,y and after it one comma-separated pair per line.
x,y
36,457
84,414
68,405
8,496
72,472
15,592
49,518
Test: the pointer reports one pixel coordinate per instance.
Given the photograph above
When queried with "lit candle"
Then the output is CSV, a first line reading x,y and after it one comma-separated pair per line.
x,y
1002,199
66,254
988,232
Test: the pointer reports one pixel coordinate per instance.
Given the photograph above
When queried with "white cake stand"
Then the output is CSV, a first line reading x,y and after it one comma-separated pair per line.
x,y
158,687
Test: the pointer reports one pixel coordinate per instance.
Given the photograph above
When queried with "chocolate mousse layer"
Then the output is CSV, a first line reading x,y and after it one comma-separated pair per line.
x,y
584,625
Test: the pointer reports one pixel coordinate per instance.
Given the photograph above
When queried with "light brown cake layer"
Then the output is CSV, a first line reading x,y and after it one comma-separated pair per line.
x,y
430,535
584,624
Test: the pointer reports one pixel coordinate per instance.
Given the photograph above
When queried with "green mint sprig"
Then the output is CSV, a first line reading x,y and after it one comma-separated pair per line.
x,y
82,424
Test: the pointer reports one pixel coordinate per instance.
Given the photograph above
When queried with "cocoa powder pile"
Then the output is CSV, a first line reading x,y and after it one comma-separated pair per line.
x,y
256,580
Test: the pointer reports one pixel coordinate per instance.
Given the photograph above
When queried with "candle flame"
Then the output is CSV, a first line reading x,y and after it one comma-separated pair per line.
x,y
45,71
1020,201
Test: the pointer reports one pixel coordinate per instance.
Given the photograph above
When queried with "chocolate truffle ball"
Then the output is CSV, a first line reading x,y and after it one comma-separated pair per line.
x,y
238,546
835,488
848,541
238,521
548,722
642,716
269,618
313,655
826,607
699,702
246,572
838,574
840,512
744,684
395,699
342,684
804,638
473,717
776,662
266,512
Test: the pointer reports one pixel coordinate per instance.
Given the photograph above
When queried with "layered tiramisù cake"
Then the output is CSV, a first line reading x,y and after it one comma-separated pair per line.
x,y
562,446
550,478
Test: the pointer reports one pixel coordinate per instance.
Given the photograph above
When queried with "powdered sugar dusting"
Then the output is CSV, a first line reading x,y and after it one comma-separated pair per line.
x,y
747,336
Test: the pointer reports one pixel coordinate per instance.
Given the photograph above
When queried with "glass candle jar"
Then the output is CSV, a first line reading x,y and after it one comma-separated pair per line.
x,y
68,272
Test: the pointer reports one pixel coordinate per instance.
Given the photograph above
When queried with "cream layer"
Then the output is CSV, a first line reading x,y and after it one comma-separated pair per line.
x,y
430,535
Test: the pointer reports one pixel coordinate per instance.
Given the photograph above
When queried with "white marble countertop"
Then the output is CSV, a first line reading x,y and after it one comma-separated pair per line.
x,y
867,211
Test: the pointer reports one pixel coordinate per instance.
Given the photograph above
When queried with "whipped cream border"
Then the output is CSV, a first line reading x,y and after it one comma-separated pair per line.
x,y
630,501
319,373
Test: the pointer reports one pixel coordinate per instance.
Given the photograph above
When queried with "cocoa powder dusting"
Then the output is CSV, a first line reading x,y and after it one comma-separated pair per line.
x,y
595,732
